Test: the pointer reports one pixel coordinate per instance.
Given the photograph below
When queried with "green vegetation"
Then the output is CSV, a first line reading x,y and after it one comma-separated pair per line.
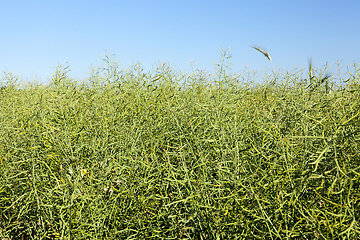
x,y
168,155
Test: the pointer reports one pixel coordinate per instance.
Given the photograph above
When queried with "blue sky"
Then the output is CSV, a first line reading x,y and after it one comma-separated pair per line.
x,y
37,35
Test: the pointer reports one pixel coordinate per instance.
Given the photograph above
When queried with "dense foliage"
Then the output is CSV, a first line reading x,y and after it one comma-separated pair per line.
x,y
165,155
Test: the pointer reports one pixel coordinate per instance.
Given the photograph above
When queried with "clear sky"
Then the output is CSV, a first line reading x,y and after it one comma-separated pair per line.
x,y
37,35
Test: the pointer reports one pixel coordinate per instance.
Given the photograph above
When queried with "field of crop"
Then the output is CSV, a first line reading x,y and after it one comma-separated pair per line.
x,y
167,155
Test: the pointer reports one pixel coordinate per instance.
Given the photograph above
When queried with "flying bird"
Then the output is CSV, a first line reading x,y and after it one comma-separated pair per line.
x,y
266,54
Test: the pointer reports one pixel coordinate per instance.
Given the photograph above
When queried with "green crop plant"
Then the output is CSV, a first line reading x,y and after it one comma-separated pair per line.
x,y
129,154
